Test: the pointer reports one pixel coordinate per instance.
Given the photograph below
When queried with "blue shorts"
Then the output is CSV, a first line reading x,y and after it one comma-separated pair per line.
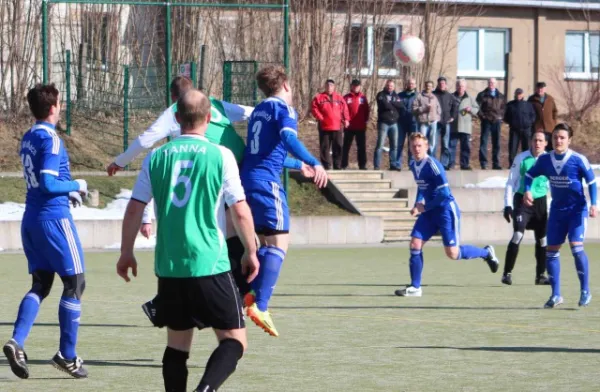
x,y
563,223
268,203
52,245
445,219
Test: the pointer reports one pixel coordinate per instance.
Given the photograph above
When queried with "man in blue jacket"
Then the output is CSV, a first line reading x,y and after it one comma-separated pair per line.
x,y
407,123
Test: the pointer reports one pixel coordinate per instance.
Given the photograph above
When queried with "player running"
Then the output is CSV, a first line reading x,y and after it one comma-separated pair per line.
x,y
272,133
566,170
523,217
49,236
437,210
190,179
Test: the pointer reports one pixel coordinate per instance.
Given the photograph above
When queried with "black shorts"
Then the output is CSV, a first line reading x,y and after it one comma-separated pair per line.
x,y
203,302
530,218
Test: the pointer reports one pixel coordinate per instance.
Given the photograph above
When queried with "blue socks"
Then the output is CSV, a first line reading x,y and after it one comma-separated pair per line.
x,y
581,264
69,311
416,267
271,260
553,267
467,252
28,310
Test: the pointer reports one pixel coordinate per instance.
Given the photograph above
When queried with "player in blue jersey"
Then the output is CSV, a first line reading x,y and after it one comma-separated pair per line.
x,y
49,236
272,133
437,211
566,170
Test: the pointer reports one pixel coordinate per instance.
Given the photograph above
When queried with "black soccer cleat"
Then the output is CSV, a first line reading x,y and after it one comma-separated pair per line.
x,y
507,279
150,310
541,280
17,359
73,368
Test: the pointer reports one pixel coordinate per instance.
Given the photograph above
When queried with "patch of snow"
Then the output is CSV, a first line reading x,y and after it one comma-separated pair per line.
x,y
491,182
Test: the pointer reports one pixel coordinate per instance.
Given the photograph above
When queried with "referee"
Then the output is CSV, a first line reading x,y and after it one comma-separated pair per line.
x,y
527,218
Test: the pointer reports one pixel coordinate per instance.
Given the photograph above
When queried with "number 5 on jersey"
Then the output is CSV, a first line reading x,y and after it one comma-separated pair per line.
x,y
179,178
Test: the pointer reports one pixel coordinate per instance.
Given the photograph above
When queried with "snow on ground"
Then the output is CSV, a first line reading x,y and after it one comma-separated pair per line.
x,y
492,182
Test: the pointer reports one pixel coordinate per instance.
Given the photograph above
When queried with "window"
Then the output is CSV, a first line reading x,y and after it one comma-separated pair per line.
x,y
481,52
368,44
582,52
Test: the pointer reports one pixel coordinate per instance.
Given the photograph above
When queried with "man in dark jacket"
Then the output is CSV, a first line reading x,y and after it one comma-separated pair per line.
x,y
388,108
448,107
520,117
358,109
407,123
491,112
545,112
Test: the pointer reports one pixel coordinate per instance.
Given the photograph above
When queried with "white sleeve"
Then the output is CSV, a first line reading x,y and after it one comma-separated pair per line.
x,y
160,129
237,113
512,183
232,185
148,213
142,190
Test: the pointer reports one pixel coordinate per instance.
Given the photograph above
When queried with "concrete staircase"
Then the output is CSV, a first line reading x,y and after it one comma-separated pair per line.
x,y
372,195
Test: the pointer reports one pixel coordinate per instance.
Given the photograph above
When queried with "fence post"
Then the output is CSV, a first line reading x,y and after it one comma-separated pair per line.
x,y
44,41
126,108
79,86
202,57
68,76
168,52
194,74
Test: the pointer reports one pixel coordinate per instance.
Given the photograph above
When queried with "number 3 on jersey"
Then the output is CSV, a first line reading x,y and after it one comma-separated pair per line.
x,y
254,143
177,179
28,171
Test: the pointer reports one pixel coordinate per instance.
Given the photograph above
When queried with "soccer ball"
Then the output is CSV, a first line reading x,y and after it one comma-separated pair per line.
x,y
409,50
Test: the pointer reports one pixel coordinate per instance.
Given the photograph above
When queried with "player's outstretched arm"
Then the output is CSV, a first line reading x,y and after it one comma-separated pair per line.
x,y
297,149
237,113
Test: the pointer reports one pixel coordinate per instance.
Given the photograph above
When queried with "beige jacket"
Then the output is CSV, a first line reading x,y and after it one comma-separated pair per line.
x,y
420,107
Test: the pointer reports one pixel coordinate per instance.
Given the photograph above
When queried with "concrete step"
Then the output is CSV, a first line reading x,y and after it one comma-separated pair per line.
x,y
386,212
399,223
355,174
401,232
363,184
355,194
396,238
380,203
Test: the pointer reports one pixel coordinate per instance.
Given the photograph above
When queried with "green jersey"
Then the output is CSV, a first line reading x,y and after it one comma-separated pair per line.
x,y
516,179
190,178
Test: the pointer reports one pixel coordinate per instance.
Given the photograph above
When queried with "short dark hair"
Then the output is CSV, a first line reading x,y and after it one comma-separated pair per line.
x,y
442,78
270,79
540,85
330,81
41,98
563,127
539,130
180,85
192,109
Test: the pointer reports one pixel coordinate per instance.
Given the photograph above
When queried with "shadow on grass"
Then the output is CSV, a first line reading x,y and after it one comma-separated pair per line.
x,y
517,349
131,363
418,307
376,285
10,324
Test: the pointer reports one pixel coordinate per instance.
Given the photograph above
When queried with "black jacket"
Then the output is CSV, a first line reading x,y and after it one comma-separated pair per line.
x,y
519,114
448,105
389,106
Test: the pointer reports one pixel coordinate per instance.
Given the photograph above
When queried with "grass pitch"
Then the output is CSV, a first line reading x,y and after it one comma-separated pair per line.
x,y
342,328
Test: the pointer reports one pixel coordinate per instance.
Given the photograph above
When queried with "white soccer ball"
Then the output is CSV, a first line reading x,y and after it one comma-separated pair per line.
x,y
409,50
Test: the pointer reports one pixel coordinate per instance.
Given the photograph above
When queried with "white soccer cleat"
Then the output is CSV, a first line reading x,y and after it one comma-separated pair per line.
x,y
409,291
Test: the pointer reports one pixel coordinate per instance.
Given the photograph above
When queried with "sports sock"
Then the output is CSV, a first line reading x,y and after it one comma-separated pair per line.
x,y
221,365
175,372
69,312
472,252
271,259
511,257
416,267
28,310
553,267
540,258
581,264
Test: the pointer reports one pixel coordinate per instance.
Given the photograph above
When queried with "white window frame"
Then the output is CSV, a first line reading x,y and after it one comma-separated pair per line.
x,y
479,73
368,70
587,74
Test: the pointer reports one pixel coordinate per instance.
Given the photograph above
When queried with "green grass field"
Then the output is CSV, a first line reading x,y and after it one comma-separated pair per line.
x,y
342,329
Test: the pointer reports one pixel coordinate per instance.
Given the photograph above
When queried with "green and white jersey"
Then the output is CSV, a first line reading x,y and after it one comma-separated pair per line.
x,y
516,179
190,179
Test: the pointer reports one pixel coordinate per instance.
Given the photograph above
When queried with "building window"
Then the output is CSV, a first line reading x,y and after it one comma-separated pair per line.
x,y
582,52
369,45
481,52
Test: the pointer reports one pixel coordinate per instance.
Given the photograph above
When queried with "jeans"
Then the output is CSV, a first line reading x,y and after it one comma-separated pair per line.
x,y
516,136
444,129
430,131
465,149
487,128
391,131
404,131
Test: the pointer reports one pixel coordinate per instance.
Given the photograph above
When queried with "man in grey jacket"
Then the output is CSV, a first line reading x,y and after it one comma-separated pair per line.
x,y
426,109
462,127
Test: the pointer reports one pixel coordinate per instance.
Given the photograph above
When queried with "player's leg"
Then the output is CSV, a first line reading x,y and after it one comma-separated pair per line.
x,y
577,228
540,226
557,232
174,362
521,216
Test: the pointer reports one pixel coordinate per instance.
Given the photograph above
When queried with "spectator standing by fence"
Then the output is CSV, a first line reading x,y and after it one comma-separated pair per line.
x,y
388,112
407,122
462,127
545,112
491,112
520,117
448,109
427,110
358,111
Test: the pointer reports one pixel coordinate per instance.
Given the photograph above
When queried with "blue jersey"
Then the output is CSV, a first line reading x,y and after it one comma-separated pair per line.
x,y
432,183
265,150
565,174
41,152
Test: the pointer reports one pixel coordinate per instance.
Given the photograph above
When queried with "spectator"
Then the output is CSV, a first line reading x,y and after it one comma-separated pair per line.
x,y
448,108
407,123
358,110
545,111
388,108
331,112
462,127
520,117
491,111
427,110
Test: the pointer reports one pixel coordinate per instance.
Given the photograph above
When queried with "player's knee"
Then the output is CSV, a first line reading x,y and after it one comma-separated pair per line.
x,y
576,247
73,286
517,237
452,252
416,243
542,242
42,283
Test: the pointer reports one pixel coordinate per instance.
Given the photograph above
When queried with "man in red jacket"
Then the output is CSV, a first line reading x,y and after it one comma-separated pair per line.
x,y
331,112
358,109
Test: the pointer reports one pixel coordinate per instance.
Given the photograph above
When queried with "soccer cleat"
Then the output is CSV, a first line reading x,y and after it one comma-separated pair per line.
x,y
542,280
507,279
491,259
553,302
585,298
262,319
150,311
409,291
17,358
249,298
73,368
